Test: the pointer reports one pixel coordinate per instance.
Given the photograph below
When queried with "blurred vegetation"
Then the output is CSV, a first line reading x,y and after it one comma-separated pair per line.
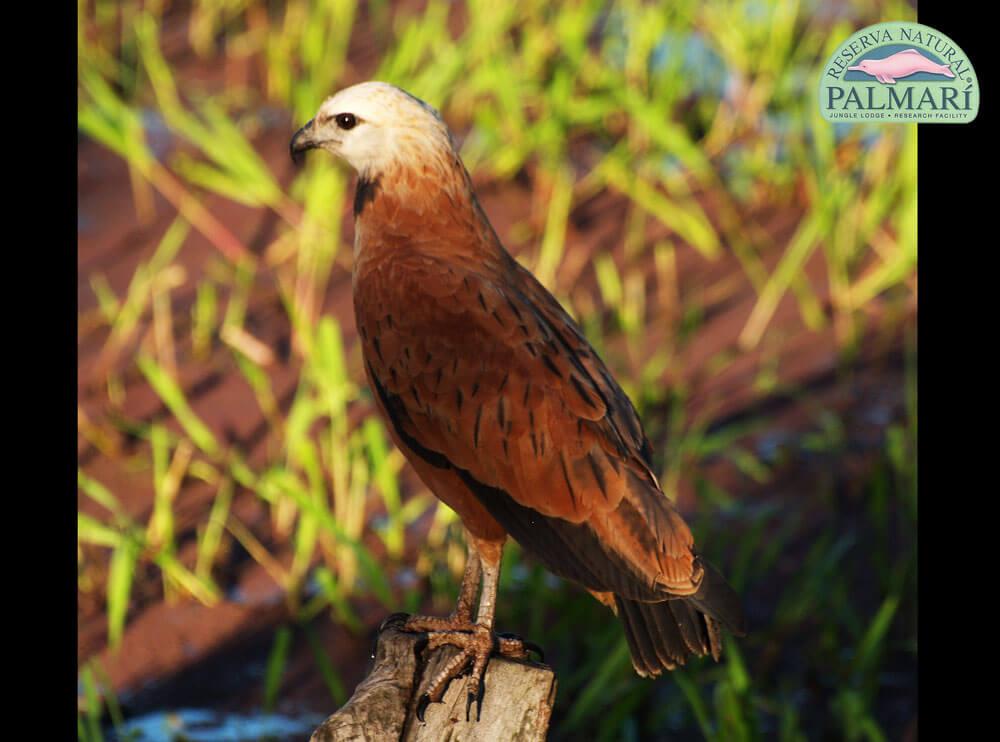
x,y
670,101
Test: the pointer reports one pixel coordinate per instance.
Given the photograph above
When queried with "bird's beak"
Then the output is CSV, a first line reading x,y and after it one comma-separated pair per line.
x,y
302,142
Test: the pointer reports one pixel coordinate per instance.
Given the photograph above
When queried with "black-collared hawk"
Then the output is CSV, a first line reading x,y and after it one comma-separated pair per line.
x,y
499,402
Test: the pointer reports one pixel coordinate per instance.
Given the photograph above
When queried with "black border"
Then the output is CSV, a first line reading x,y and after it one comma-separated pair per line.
x,y
956,330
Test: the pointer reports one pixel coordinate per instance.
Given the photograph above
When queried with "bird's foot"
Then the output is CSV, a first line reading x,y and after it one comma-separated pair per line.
x,y
476,644
455,622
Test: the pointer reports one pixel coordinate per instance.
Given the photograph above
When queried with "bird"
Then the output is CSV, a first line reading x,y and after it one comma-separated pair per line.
x,y
501,405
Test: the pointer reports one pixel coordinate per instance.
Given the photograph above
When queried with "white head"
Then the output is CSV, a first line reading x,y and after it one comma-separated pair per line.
x,y
374,126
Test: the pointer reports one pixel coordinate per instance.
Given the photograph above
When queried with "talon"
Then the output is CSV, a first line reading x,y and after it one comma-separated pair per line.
x,y
517,648
476,644
479,699
395,618
420,624
505,637
477,694
421,644
531,646
425,701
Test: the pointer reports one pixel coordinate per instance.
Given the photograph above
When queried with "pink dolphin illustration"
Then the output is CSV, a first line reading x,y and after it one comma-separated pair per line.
x,y
901,64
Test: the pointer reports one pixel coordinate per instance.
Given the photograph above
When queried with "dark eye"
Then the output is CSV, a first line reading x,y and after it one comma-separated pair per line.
x,y
346,120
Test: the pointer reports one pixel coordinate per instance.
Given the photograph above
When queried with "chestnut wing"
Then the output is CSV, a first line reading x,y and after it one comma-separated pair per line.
x,y
487,375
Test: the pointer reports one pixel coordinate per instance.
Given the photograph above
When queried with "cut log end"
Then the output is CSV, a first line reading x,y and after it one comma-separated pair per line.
x,y
517,704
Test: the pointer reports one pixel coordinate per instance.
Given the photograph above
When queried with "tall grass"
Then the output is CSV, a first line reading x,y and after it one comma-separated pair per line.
x,y
698,113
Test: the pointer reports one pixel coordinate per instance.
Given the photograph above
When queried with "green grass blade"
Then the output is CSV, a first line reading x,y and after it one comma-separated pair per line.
x,y
326,669
276,662
173,397
121,575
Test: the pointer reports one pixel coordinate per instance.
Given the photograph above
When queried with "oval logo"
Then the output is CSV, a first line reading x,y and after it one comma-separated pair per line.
x,y
899,72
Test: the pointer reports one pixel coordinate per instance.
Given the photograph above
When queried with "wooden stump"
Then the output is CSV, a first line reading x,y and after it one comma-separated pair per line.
x,y
516,706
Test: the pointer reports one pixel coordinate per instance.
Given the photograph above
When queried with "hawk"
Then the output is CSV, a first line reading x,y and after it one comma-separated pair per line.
x,y
500,404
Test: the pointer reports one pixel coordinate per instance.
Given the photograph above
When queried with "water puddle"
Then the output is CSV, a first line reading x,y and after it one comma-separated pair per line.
x,y
205,725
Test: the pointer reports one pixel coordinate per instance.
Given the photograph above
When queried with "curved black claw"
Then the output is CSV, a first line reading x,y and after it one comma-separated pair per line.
x,y
422,704
478,698
421,644
530,646
391,621
396,620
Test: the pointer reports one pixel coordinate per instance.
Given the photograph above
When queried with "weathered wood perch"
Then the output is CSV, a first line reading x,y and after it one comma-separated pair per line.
x,y
517,704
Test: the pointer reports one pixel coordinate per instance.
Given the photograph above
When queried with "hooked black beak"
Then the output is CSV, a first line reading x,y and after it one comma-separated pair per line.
x,y
302,142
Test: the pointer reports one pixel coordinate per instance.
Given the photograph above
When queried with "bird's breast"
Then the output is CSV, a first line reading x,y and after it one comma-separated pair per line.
x,y
404,304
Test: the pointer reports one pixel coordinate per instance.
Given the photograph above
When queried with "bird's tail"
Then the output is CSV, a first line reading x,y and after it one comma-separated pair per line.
x,y
662,635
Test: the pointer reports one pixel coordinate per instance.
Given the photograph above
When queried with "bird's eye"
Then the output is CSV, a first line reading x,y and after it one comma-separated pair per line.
x,y
346,120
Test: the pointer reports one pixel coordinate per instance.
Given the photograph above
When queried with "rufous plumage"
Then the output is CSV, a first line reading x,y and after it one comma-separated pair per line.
x,y
500,404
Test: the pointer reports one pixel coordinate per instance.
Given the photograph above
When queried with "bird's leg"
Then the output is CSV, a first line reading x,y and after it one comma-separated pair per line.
x,y
461,618
476,645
